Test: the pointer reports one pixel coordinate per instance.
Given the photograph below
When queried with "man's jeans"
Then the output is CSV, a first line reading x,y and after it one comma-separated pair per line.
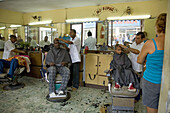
x,y
8,64
74,75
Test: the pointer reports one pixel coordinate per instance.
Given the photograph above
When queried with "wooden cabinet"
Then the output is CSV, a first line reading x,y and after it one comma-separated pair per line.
x,y
95,66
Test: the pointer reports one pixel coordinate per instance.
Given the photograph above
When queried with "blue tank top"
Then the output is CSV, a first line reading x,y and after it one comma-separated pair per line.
x,y
154,65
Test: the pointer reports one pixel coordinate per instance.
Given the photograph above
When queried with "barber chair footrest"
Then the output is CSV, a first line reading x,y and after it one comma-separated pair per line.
x,y
59,99
14,87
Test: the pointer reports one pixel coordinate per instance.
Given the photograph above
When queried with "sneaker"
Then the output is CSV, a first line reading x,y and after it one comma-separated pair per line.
x,y
117,86
56,91
52,95
61,94
74,89
131,88
9,78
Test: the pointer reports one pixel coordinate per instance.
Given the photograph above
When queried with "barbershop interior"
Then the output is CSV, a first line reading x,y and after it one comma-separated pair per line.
x,y
84,56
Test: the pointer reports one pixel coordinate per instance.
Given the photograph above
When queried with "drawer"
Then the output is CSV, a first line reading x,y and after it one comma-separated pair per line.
x,y
102,79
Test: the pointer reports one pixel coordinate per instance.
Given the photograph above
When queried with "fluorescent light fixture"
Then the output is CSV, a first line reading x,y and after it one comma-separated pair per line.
x,y
2,27
129,17
15,25
39,23
82,20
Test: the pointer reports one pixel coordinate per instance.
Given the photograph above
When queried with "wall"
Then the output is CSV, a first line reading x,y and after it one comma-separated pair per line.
x,y
153,7
57,16
149,27
165,85
11,17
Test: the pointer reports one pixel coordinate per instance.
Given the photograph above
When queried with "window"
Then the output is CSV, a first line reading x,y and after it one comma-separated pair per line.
x,y
45,32
123,31
82,30
90,26
78,28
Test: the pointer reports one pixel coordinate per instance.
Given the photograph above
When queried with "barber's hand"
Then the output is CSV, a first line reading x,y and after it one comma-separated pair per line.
x,y
123,46
63,63
23,52
57,38
52,64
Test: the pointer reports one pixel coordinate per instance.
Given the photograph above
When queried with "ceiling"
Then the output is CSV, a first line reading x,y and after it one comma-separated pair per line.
x,y
44,5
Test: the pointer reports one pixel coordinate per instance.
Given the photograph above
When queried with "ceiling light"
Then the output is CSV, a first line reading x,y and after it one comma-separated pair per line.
x,y
39,23
15,25
82,20
2,27
129,17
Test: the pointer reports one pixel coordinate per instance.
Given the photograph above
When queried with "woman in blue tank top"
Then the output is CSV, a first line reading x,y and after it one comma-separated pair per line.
x,y
153,53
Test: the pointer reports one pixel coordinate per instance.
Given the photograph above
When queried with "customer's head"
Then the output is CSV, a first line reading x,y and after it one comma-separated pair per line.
x,y
34,37
56,43
161,23
19,37
89,34
13,38
118,49
73,33
46,38
139,37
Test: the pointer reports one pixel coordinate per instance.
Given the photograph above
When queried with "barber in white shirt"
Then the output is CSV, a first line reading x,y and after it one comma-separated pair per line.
x,y
9,48
74,47
134,51
44,42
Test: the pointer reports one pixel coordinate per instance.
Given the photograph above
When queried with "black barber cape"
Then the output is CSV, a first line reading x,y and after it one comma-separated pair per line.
x,y
122,70
57,55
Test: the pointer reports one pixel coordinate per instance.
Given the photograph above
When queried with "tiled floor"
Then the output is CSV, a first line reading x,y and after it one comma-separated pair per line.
x,y
32,99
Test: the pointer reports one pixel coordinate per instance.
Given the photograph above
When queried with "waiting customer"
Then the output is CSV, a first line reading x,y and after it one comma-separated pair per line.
x,y
154,51
44,42
90,42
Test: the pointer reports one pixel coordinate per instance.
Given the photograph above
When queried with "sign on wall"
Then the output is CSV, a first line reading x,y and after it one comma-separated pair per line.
x,y
106,8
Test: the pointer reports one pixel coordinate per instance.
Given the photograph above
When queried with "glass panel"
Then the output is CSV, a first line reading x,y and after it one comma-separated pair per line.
x,y
33,32
124,31
45,32
78,28
90,26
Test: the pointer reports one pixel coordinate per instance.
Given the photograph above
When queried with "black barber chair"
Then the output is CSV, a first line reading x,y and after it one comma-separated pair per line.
x,y
122,100
13,84
44,75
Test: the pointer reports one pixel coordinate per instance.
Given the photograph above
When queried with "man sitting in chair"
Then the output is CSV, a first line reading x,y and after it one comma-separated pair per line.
x,y
57,59
9,51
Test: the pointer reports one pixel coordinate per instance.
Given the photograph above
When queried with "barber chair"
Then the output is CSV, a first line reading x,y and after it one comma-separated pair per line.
x,y
13,84
122,99
44,75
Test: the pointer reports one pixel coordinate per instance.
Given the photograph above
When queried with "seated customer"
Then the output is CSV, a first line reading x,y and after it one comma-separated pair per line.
x,y
121,70
13,64
57,58
9,51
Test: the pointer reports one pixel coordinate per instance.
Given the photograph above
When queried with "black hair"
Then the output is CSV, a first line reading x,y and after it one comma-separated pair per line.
x,y
117,45
73,30
141,34
46,36
13,36
56,40
89,33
